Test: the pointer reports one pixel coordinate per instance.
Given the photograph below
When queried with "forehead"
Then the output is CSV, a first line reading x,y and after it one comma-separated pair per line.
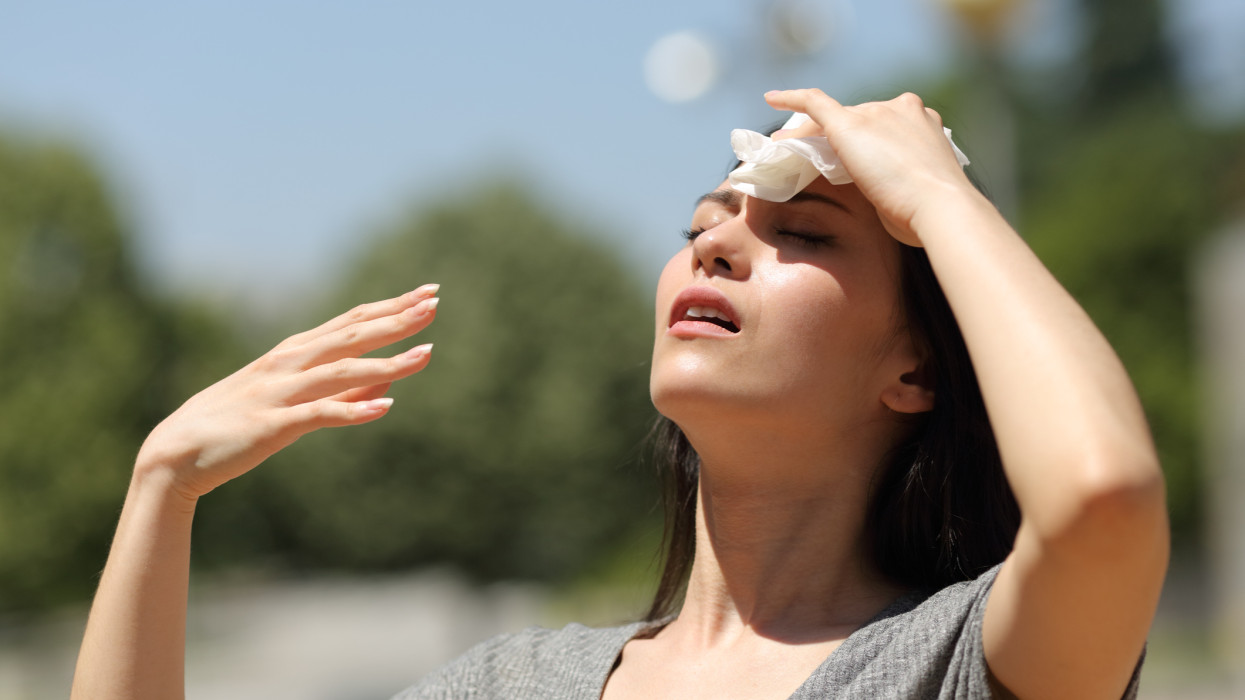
x,y
847,197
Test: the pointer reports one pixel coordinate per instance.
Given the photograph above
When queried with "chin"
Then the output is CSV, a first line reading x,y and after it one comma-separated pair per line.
x,y
687,398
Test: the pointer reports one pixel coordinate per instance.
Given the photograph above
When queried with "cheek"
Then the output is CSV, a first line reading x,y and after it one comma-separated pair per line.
x,y
824,327
802,306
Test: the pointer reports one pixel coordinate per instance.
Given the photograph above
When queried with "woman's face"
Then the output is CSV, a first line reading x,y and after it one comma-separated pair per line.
x,y
786,313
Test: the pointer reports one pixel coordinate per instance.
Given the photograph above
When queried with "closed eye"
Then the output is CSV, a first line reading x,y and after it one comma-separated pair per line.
x,y
807,240
691,233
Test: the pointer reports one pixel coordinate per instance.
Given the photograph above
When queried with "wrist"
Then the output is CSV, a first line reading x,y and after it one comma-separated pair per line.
x,y
157,478
953,207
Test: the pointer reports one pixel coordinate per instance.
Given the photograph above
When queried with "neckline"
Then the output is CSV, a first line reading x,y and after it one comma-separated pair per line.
x,y
902,604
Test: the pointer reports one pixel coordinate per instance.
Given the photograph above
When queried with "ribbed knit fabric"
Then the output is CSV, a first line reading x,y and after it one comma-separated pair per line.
x,y
918,647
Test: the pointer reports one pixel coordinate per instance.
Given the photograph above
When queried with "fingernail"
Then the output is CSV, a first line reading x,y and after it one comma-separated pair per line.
x,y
376,405
427,290
418,351
772,92
425,307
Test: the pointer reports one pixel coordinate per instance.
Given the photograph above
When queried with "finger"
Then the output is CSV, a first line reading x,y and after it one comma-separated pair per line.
x,y
362,338
327,413
363,393
812,102
806,130
910,99
350,374
367,312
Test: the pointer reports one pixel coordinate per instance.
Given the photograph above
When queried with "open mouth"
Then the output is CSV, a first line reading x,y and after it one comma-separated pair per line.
x,y
708,314
700,311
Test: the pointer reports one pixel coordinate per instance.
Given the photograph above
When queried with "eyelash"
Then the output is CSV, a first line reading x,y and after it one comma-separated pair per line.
x,y
802,239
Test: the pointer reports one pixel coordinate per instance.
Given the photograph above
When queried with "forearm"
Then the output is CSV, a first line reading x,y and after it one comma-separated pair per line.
x,y
1069,425
135,638
1069,610
134,646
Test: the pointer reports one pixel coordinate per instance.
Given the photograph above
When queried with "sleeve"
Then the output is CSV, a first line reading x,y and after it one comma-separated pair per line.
x,y
928,647
975,679
461,678
534,663
968,677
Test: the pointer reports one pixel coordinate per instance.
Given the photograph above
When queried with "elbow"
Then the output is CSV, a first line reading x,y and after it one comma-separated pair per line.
x,y
1117,508
1131,500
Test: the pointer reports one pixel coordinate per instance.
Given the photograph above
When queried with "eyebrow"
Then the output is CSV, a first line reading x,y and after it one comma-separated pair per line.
x,y
727,198
807,196
731,199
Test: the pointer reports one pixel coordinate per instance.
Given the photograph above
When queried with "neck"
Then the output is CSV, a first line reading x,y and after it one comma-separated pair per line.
x,y
781,546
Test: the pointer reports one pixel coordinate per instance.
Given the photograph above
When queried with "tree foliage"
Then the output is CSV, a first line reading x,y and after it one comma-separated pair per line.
x,y
1122,191
1120,226
89,361
1120,188
515,454
1126,56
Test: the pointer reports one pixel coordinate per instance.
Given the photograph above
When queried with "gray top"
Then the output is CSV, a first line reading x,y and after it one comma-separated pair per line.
x,y
918,647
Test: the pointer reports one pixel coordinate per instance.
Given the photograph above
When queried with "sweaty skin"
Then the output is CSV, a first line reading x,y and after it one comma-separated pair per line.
x,y
1068,614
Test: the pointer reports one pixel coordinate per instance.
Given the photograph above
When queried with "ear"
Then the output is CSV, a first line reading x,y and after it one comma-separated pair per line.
x,y
910,394
913,390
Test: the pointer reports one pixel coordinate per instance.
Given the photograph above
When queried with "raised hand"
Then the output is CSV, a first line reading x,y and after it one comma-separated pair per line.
x,y
134,646
895,151
1093,543
309,381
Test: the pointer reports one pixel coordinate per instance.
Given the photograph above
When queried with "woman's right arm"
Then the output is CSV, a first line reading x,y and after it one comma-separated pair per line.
x,y
1072,604
134,646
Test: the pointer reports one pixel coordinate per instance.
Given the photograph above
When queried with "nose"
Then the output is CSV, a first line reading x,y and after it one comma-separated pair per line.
x,y
723,250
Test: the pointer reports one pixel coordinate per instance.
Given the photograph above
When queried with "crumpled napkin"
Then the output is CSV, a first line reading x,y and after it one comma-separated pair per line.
x,y
776,170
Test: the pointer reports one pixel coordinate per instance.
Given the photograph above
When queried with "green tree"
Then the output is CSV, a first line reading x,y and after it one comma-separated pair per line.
x,y
1120,186
1132,201
1122,189
88,363
1126,57
517,452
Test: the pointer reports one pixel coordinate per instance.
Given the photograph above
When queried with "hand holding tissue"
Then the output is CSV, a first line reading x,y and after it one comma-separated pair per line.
x,y
776,170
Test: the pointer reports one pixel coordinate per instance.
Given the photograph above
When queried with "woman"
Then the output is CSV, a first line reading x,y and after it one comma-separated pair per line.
x,y
784,354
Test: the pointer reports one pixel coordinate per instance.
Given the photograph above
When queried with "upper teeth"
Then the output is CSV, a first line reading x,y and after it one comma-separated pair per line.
x,y
705,312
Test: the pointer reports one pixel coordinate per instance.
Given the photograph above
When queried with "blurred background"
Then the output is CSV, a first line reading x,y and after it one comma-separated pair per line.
x,y
184,184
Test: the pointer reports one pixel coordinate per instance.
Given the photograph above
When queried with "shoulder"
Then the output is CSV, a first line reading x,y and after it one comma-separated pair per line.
x,y
922,646
533,663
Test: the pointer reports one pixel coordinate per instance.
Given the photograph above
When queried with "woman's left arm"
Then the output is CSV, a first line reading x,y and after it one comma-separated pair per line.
x,y
1071,607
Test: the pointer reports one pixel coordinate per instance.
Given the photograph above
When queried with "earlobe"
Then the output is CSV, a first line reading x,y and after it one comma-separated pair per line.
x,y
909,398
912,393
911,390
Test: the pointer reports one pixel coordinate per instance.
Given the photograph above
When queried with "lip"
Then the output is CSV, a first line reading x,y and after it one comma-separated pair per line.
x,y
701,296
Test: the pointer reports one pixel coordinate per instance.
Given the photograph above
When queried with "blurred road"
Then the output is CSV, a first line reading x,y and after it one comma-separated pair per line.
x,y
346,639
357,639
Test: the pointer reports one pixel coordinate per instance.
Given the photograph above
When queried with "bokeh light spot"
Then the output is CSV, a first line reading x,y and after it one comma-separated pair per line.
x,y
680,67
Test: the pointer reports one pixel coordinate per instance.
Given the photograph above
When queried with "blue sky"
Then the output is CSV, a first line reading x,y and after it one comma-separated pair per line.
x,y
253,143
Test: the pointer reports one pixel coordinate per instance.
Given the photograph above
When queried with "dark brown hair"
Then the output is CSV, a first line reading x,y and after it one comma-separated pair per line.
x,y
941,508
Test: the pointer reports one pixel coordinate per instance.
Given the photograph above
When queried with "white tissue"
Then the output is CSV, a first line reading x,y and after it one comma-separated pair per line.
x,y
776,170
